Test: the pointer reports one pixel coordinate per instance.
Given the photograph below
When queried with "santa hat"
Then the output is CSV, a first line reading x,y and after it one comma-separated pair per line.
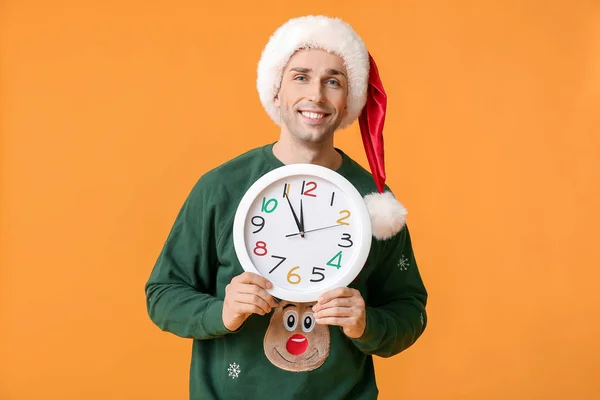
x,y
366,99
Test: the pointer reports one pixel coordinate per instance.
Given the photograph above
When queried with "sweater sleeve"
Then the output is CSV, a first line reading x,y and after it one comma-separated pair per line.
x,y
178,291
395,309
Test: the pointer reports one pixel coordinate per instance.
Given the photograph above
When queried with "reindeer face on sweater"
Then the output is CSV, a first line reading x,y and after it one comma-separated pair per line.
x,y
294,341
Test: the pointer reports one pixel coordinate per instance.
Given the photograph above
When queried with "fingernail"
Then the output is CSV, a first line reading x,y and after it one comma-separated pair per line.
x,y
269,285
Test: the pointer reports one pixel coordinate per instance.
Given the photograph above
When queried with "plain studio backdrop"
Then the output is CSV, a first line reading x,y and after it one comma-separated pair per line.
x,y
110,111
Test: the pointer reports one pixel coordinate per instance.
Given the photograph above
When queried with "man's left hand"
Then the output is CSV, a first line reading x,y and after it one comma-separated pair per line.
x,y
343,307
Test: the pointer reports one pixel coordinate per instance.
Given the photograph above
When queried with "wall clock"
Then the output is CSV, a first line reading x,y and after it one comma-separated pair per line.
x,y
305,228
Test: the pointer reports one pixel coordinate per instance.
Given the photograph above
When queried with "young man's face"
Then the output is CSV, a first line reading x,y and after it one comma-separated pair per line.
x,y
313,93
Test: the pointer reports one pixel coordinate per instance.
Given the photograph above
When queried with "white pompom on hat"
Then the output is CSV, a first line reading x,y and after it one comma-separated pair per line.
x,y
366,101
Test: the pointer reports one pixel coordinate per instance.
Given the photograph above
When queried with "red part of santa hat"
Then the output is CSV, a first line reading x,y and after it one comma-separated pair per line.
x,y
367,100
371,122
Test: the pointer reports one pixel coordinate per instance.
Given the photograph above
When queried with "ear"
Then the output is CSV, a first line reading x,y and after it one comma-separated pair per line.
x,y
276,101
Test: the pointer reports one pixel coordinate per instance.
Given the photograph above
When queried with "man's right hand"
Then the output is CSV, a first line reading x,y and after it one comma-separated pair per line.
x,y
245,295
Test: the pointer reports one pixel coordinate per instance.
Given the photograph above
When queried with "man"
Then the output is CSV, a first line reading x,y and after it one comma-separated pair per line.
x,y
314,77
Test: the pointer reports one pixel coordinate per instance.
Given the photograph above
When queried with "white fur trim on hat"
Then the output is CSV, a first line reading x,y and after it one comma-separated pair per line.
x,y
388,215
330,34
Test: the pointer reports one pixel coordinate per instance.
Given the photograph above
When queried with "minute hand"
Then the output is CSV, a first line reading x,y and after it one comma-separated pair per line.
x,y
298,224
312,230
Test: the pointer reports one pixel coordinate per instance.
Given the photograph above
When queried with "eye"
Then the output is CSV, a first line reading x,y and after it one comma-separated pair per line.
x,y
290,320
308,322
300,78
333,82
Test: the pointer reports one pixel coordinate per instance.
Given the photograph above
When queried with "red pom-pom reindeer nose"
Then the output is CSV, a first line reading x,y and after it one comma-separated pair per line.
x,y
297,344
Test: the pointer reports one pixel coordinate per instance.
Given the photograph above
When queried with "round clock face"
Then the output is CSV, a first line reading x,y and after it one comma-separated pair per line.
x,y
305,228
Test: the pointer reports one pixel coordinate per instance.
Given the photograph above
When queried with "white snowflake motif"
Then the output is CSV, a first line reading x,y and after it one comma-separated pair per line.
x,y
234,370
403,264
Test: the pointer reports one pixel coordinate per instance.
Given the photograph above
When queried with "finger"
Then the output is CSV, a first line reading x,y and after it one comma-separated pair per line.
x,y
253,299
337,302
246,308
255,279
335,293
258,291
337,321
336,312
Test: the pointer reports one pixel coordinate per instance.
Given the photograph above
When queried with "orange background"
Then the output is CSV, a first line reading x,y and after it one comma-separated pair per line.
x,y
110,111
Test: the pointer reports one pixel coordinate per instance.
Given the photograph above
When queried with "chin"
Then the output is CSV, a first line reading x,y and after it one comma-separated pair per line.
x,y
315,136
308,134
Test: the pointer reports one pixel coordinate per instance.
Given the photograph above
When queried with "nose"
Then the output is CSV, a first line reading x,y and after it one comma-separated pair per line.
x,y
297,344
316,92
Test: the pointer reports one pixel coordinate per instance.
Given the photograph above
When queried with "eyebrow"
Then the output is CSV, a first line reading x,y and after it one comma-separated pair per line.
x,y
308,70
300,69
288,305
335,72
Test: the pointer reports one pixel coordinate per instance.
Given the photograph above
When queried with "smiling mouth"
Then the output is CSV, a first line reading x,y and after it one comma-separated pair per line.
x,y
294,362
313,116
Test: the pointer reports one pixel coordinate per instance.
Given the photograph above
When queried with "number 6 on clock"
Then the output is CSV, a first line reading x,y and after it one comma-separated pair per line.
x,y
290,275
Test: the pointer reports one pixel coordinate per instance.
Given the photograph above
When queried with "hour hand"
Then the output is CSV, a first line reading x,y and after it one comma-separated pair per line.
x,y
298,224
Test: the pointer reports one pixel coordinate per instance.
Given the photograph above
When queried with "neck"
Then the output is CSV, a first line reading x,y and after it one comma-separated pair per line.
x,y
291,151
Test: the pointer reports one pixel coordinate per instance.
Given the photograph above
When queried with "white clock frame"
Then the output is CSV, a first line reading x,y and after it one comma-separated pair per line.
x,y
360,212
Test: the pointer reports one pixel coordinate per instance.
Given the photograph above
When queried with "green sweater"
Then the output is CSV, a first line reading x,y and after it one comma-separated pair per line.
x,y
186,289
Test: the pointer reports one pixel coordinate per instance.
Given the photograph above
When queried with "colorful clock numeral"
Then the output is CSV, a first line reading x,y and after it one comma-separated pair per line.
x,y
261,223
315,271
296,277
336,261
346,237
308,191
278,264
341,220
268,206
260,249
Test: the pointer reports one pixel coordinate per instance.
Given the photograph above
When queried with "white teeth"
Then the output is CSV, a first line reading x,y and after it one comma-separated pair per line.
x,y
312,115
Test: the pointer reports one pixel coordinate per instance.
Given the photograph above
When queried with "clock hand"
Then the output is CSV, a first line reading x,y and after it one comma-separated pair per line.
x,y
312,230
301,218
300,232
